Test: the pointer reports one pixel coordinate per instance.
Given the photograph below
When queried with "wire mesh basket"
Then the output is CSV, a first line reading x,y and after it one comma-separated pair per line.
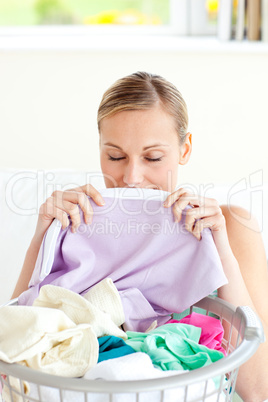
x,y
243,333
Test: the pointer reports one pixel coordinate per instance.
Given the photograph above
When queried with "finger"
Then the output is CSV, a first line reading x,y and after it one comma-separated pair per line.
x,y
74,213
215,223
88,189
182,202
171,198
61,200
86,207
68,199
55,213
201,205
192,215
62,216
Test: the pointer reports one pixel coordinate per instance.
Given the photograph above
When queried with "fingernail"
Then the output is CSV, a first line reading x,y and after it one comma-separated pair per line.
x,y
165,204
102,202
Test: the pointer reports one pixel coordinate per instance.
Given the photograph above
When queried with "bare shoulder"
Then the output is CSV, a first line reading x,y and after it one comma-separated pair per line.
x,y
246,242
240,221
245,237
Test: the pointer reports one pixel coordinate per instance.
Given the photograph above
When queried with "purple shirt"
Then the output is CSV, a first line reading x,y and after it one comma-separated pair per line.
x,y
157,266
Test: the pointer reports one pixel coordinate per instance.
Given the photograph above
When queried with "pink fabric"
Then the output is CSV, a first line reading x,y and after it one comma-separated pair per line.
x,y
211,330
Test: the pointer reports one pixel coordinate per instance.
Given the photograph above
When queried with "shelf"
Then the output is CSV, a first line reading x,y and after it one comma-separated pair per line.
x,y
96,40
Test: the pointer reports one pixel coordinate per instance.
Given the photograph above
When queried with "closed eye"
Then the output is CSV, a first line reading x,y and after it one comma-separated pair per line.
x,y
153,160
111,158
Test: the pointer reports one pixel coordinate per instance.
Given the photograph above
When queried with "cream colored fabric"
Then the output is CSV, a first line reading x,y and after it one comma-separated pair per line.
x,y
105,296
46,339
80,310
58,335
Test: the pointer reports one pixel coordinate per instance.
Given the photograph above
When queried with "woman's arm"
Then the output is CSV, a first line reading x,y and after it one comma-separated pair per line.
x,y
59,205
28,266
247,246
249,253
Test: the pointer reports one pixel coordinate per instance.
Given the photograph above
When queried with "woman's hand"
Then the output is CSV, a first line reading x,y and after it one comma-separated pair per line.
x,y
63,203
205,213
59,205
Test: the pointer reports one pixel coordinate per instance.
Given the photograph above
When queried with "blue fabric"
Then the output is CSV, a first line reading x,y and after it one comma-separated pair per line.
x,y
111,347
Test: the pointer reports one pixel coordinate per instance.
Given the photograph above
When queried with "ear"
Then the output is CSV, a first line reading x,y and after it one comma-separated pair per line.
x,y
186,150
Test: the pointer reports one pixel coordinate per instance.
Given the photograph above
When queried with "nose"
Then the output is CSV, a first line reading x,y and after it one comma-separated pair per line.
x,y
133,174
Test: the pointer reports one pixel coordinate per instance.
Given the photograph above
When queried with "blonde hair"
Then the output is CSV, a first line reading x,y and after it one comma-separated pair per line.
x,y
141,91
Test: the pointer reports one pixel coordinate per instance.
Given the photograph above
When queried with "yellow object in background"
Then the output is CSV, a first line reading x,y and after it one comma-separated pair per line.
x,y
127,17
104,17
212,5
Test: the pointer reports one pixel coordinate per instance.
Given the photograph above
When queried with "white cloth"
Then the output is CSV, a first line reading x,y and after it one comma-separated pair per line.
x,y
137,366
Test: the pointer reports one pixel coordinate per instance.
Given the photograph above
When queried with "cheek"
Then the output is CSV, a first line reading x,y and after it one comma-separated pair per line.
x,y
110,174
109,168
167,176
171,167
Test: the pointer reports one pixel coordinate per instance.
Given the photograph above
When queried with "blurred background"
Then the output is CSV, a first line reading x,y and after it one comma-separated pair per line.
x,y
57,57
35,12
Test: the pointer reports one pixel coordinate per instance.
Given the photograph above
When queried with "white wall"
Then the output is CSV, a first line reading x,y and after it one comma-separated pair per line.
x,y
49,101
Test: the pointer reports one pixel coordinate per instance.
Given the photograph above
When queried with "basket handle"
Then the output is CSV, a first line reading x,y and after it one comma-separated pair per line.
x,y
253,328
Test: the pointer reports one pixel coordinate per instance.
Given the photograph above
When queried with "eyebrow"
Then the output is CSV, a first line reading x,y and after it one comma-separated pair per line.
x,y
144,149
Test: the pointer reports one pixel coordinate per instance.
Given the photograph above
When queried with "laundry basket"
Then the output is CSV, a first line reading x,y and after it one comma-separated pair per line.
x,y
243,334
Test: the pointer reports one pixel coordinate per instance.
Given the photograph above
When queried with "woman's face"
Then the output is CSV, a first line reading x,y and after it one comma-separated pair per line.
x,y
140,148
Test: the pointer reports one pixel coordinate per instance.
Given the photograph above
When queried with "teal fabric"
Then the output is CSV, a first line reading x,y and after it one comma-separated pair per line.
x,y
174,347
111,347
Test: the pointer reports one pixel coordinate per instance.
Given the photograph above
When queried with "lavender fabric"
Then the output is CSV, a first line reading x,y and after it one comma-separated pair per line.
x,y
157,266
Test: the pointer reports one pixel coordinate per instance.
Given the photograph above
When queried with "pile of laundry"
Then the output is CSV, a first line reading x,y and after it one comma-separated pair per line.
x,y
99,303
70,335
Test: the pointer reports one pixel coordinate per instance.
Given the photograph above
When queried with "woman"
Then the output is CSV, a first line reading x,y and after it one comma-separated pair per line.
x,y
142,121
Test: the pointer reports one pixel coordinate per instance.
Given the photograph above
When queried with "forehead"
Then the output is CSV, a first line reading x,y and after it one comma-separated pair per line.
x,y
139,126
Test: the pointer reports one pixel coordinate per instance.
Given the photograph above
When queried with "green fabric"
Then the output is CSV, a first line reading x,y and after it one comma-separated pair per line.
x,y
174,347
